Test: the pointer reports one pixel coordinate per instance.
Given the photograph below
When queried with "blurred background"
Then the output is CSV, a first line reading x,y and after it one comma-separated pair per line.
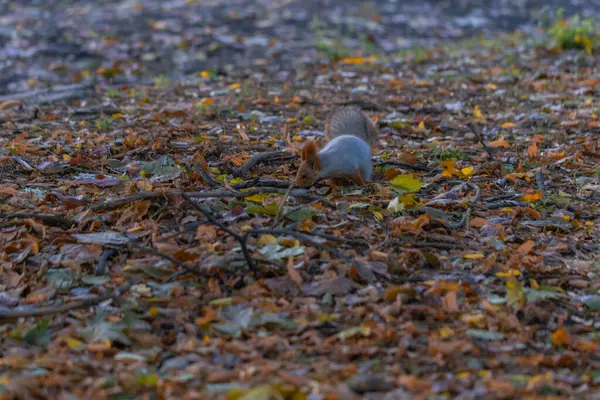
x,y
44,43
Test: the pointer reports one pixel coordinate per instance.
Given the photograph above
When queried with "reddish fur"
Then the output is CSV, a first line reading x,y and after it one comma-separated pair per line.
x,y
310,154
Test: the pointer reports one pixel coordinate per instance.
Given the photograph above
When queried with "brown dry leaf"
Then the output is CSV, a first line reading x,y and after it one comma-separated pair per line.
x,y
294,275
525,248
478,222
450,303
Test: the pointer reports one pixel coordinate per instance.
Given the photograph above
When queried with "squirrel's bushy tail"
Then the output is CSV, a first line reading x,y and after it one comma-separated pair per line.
x,y
350,121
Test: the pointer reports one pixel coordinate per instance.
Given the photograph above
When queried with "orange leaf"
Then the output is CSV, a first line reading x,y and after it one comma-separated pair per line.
x,y
507,125
561,336
532,197
478,222
533,151
499,143
525,248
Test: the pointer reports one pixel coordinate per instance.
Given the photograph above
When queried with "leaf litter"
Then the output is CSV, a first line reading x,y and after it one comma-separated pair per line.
x,y
150,245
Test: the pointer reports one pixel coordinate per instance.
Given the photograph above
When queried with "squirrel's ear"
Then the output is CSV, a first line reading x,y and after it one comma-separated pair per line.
x,y
309,154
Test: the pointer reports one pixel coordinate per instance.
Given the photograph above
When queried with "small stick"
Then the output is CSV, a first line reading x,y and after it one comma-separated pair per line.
x,y
205,175
263,158
57,220
413,167
101,266
63,308
480,139
281,205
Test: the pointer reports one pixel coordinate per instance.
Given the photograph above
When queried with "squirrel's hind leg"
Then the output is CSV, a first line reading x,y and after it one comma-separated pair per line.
x,y
357,178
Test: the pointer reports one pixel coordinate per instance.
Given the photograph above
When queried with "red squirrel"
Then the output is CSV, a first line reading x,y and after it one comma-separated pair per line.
x,y
347,155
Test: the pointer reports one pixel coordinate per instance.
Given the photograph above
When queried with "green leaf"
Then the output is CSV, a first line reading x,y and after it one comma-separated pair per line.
x,y
268,209
592,302
407,182
301,214
62,278
39,334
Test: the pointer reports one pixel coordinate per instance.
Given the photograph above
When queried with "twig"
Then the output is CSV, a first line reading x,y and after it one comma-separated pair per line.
x,y
101,266
263,158
259,182
205,175
125,200
209,194
56,220
153,251
413,167
482,142
282,205
259,190
63,308
241,239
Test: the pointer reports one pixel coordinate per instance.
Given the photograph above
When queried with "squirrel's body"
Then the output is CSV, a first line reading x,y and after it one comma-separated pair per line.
x,y
351,121
347,154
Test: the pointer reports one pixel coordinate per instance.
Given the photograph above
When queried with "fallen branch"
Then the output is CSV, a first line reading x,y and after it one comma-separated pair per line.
x,y
262,158
475,130
241,239
63,308
100,268
206,176
125,200
413,167
168,257
259,182
55,220
301,193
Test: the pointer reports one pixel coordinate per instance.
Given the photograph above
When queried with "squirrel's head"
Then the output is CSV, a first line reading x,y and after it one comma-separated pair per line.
x,y
308,173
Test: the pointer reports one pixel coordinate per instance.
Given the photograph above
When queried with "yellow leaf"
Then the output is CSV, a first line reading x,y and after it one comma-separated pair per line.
x,y
74,343
421,125
267,239
378,215
446,332
477,113
205,74
409,199
468,171
508,274
235,86
256,198
448,168
515,295
407,182
507,125
491,86
473,256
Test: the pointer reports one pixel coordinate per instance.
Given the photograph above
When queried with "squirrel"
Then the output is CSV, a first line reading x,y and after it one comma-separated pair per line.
x,y
346,155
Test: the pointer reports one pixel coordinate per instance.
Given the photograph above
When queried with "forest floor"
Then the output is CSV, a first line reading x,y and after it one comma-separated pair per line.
x,y
151,247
